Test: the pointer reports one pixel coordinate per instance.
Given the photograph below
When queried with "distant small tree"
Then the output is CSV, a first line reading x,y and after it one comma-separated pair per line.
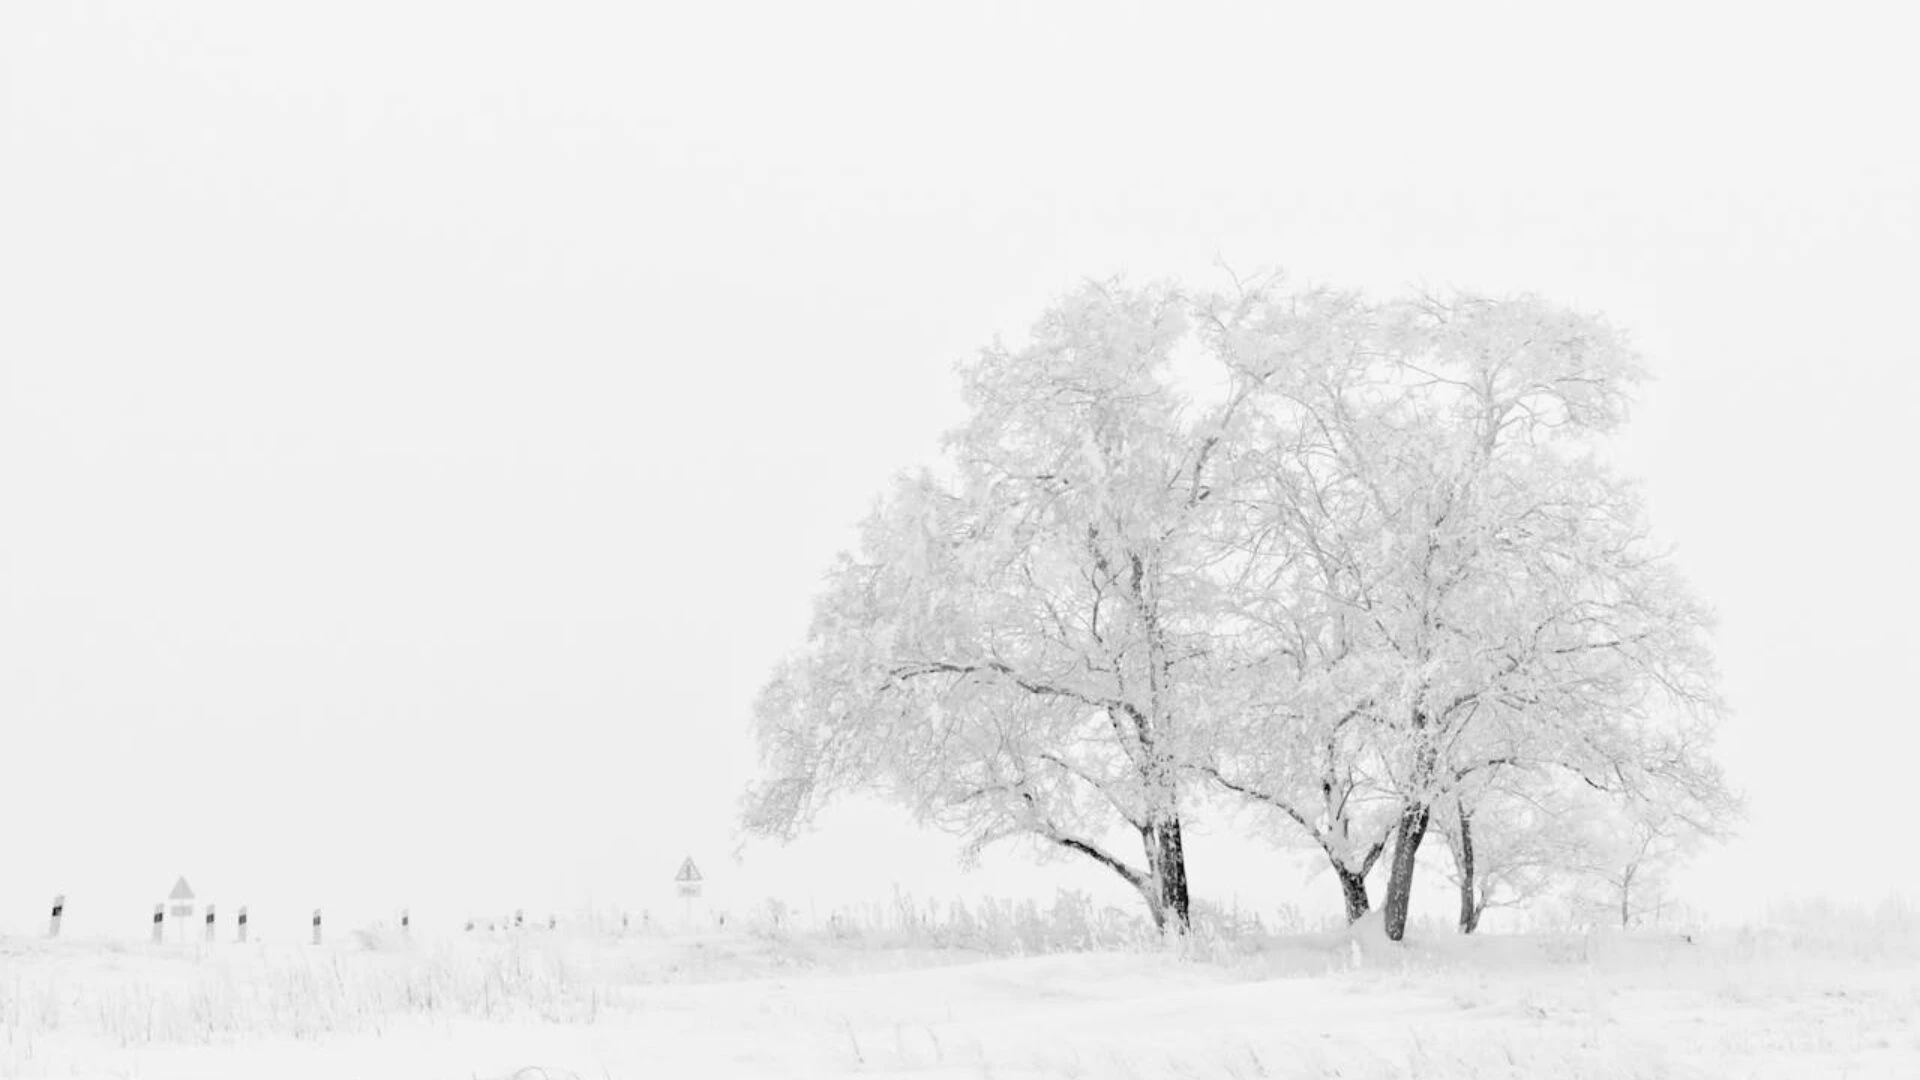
x,y
1637,878
1649,827
1607,842
1519,837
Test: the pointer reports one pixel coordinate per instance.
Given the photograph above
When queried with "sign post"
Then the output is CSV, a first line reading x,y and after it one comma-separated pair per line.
x,y
182,909
688,885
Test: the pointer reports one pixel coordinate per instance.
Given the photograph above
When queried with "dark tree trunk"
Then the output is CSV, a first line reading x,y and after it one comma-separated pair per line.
x,y
1166,884
1353,890
1406,844
1463,862
1353,883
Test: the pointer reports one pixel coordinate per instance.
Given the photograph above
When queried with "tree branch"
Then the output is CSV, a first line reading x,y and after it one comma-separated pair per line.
x,y
1261,796
1006,671
1049,831
1097,784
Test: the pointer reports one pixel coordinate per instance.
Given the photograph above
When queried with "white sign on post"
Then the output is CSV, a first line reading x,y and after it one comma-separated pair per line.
x,y
688,879
688,883
182,906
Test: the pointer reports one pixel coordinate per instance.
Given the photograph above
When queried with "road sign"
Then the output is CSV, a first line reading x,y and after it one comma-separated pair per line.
x,y
182,906
688,879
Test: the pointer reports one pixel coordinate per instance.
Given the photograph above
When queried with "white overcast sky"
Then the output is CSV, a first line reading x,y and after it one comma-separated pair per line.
x,y
423,424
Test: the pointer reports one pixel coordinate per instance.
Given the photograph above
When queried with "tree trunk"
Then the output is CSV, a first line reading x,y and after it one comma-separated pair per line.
x,y
1167,880
1406,844
1353,890
1626,909
1463,862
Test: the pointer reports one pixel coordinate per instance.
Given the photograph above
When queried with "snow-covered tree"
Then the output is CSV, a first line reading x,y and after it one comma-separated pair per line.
x,y
1520,836
1019,644
1658,810
1607,834
1633,882
1449,579
1357,563
1292,534
1529,619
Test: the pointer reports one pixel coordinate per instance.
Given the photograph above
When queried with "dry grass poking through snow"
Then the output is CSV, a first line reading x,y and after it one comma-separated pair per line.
x,y
1812,993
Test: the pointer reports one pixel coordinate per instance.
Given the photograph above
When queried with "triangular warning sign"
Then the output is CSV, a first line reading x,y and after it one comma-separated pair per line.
x,y
688,871
181,891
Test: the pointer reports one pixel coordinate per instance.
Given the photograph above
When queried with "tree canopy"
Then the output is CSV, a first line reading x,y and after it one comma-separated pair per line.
x,y
1358,562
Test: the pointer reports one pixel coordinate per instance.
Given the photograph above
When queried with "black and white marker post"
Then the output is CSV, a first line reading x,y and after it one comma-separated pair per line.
x,y
406,923
159,914
209,924
242,920
59,908
316,926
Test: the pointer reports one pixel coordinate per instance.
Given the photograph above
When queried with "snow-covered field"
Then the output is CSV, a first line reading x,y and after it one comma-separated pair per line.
x,y
1808,999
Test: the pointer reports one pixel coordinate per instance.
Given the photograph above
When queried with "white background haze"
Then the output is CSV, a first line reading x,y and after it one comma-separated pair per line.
x,y
422,425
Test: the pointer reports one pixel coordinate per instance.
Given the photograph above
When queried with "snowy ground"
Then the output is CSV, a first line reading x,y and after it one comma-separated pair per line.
x,y
1781,1003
